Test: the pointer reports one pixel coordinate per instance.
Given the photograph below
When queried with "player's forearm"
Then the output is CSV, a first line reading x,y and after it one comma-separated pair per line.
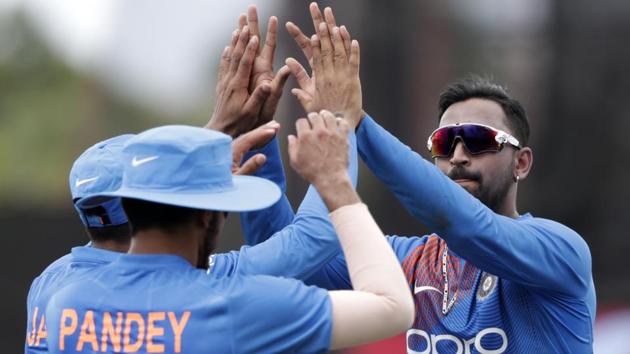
x,y
380,305
337,192
259,225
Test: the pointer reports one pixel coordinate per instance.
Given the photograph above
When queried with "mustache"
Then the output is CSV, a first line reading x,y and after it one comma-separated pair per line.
x,y
462,173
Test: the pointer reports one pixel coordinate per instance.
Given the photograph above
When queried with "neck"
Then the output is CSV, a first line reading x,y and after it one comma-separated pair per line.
x,y
508,207
112,245
180,242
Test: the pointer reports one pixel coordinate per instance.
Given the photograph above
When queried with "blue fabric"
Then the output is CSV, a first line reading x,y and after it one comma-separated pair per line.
x,y
522,285
61,272
168,306
297,249
99,169
259,225
188,167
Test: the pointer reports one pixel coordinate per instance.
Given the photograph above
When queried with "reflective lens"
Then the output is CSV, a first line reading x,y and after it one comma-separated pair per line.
x,y
476,137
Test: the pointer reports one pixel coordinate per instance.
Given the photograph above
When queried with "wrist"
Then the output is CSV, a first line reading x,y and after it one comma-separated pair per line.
x,y
218,125
337,192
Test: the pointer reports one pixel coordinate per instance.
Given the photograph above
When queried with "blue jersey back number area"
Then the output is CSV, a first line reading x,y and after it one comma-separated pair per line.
x,y
127,332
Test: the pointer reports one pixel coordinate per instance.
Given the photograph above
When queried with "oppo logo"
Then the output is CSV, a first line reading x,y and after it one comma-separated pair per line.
x,y
463,346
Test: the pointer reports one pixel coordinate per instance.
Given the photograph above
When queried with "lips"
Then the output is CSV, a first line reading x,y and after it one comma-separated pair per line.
x,y
464,180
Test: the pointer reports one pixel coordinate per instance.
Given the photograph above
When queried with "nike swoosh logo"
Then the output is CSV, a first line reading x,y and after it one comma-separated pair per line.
x,y
419,289
84,181
135,162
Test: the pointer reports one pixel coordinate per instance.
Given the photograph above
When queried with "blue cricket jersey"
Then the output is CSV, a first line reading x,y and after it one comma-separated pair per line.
x,y
516,285
233,307
61,272
162,304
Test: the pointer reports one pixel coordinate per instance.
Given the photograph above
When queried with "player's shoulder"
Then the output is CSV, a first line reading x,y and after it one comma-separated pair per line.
x,y
555,228
269,291
405,246
58,265
50,273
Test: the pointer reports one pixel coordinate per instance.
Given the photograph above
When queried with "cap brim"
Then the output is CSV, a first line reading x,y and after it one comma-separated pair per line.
x,y
249,194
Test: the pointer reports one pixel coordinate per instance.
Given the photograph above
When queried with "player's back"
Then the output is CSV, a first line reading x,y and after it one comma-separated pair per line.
x,y
161,304
59,273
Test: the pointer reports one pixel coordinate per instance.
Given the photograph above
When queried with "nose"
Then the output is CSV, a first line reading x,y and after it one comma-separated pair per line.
x,y
461,156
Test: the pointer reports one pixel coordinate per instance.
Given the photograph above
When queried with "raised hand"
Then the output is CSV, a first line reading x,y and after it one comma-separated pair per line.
x,y
262,70
252,140
319,152
236,110
334,84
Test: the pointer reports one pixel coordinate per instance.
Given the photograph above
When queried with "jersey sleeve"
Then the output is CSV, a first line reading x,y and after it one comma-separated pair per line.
x,y
297,250
276,315
334,275
259,225
535,252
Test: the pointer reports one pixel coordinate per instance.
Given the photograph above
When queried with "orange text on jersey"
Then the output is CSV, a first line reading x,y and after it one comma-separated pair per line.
x,y
115,329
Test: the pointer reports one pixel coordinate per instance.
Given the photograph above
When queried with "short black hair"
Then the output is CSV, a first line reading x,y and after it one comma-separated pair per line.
x,y
118,233
145,215
482,87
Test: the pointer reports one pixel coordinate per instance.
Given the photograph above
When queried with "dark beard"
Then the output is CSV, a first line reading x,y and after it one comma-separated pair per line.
x,y
493,196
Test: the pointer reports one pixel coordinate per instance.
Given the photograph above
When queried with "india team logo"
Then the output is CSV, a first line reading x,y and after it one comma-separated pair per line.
x,y
487,284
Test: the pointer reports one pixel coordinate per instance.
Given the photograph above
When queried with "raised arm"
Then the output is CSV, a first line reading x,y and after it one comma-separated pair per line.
x,y
333,86
381,304
535,252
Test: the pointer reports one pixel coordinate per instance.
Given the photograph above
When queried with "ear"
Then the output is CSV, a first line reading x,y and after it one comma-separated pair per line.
x,y
524,160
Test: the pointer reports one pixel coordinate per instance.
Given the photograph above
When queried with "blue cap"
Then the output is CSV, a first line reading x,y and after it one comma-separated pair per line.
x,y
99,169
187,167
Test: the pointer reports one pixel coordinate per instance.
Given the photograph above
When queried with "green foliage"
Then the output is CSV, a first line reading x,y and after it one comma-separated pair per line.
x,y
48,115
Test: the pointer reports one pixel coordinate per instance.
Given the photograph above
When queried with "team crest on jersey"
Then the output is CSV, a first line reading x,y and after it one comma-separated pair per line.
x,y
487,284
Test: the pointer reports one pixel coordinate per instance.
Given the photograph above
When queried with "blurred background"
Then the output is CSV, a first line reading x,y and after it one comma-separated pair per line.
x,y
76,72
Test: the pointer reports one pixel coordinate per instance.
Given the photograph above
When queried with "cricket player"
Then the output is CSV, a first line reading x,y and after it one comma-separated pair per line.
x,y
98,169
489,279
158,298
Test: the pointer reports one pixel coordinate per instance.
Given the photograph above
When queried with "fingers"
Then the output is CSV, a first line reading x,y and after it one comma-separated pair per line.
x,y
343,126
224,64
277,86
300,38
355,57
298,71
329,119
293,147
304,97
345,35
252,165
254,103
252,22
326,46
329,18
302,126
246,62
239,49
256,137
269,48
316,121
317,64
340,51
316,15
242,21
